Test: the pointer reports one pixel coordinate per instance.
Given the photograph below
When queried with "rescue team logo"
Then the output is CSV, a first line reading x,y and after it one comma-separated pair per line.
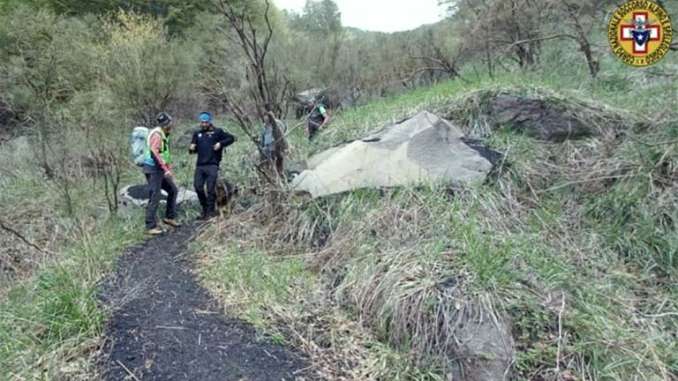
x,y
640,33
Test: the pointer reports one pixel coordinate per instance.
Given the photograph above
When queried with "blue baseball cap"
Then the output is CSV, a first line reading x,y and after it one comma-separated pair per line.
x,y
205,117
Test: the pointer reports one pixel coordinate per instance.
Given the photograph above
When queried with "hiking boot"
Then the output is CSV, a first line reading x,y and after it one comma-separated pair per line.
x,y
206,217
154,232
171,222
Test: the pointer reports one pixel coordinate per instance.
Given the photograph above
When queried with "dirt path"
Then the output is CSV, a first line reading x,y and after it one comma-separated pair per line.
x,y
165,326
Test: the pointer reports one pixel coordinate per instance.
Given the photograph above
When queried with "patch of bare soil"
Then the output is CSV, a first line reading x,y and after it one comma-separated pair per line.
x,y
165,325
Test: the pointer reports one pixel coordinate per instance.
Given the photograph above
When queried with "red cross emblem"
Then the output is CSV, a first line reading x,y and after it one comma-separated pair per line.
x,y
628,31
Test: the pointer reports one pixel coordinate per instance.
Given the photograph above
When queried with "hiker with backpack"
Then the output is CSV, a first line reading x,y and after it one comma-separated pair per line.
x,y
317,119
208,143
151,150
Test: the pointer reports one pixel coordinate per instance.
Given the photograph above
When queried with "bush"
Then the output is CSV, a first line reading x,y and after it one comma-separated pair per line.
x,y
144,70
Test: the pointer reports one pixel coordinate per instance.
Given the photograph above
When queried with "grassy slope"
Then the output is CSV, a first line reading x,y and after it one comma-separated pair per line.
x,y
50,319
586,270
610,254
50,325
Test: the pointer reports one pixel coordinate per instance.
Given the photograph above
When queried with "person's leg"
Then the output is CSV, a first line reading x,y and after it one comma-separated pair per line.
x,y
154,180
212,176
172,193
312,129
280,164
199,185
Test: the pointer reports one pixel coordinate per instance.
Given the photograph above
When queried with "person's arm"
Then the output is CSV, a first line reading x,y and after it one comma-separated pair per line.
x,y
225,140
327,119
279,136
193,148
155,144
282,125
278,131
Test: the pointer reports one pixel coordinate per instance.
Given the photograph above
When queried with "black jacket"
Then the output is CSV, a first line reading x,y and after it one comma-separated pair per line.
x,y
205,142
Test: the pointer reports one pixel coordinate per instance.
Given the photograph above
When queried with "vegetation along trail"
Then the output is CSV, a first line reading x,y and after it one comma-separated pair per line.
x,y
165,326
398,190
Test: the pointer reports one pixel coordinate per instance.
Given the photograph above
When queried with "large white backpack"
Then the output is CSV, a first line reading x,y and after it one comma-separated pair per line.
x,y
139,144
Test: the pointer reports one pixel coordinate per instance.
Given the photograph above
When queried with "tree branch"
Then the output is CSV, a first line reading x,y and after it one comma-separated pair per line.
x,y
20,236
539,39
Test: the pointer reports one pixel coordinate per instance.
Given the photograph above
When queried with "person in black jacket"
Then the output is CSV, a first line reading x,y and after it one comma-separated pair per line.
x,y
208,143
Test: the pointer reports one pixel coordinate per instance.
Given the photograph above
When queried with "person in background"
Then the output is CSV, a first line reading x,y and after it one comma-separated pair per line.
x,y
317,119
273,142
208,143
158,171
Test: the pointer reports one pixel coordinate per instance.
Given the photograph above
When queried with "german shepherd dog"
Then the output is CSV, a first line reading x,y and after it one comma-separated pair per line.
x,y
226,193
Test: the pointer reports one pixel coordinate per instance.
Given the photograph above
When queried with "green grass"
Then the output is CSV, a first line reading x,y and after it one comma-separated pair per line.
x,y
524,266
543,233
286,302
50,317
50,324
254,281
523,243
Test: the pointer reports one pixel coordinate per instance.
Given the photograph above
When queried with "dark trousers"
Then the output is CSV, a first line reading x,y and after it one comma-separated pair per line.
x,y
313,129
206,174
273,158
157,181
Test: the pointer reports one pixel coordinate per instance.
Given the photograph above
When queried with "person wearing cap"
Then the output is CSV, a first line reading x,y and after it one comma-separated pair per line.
x,y
317,119
208,143
158,171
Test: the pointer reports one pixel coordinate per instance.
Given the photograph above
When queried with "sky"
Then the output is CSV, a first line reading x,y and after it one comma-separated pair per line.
x,y
380,15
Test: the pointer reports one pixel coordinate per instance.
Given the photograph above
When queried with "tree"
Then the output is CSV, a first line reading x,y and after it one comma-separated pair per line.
x,y
178,15
252,26
46,63
581,17
320,18
320,22
517,28
37,73
434,58
79,90
145,70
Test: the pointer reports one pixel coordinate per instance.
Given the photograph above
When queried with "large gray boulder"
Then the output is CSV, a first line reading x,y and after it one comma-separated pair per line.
x,y
137,196
423,149
537,113
539,118
485,348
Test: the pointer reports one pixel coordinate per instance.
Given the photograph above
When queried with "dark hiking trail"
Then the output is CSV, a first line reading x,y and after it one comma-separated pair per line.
x,y
165,326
